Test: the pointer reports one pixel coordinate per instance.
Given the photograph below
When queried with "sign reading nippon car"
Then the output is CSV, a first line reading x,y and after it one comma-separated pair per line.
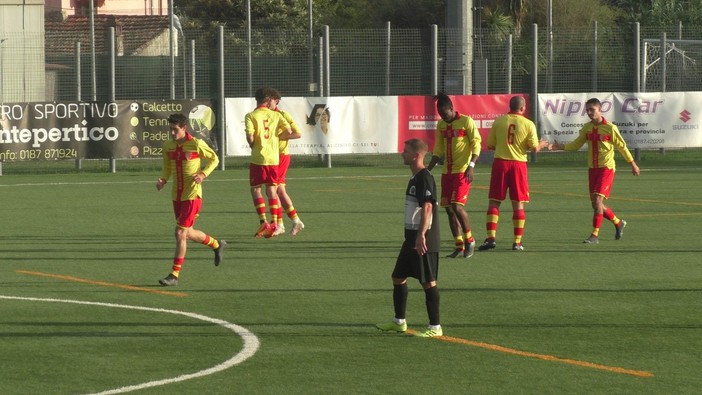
x,y
95,130
645,120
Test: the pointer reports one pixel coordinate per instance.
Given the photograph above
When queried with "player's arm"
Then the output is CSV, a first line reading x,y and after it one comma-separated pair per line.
x,y
432,162
421,243
620,143
250,129
438,151
572,146
211,159
475,145
534,143
471,167
492,138
289,134
165,172
285,131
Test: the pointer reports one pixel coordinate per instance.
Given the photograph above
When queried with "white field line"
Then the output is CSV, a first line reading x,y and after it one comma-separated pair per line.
x,y
250,346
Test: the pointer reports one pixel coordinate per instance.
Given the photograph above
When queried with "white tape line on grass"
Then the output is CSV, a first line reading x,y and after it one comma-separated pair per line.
x,y
251,342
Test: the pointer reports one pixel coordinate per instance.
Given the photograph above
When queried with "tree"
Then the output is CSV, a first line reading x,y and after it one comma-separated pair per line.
x,y
266,14
292,14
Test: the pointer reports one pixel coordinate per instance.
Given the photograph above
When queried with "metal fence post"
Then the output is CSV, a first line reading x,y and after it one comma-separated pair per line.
x,y
594,57
387,58
664,56
220,102
322,86
111,80
327,69
249,43
171,43
93,71
434,60
639,72
193,81
79,161
534,77
509,63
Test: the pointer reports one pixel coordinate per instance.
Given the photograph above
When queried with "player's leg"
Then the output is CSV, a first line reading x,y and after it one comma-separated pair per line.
x,y
496,194
447,191
518,221
216,245
464,226
428,277
492,217
518,184
597,202
594,185
460,199
607,212
256,181
184,219
456,233
406,265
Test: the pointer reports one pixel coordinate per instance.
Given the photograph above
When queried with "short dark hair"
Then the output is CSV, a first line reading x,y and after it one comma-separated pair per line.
x,y
417,145
594,101
263,94
178,119
443,102
516,102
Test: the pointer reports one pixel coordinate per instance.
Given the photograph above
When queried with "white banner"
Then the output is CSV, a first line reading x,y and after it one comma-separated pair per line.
x,y
646,120
332,125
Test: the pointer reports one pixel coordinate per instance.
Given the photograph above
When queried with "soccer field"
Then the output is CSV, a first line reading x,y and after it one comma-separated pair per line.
x,y
82,311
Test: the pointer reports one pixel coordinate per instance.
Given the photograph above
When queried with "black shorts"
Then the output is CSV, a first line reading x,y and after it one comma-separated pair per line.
x,y
424,268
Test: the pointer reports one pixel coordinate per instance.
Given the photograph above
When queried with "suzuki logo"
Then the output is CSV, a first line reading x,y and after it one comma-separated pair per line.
x,y
685,115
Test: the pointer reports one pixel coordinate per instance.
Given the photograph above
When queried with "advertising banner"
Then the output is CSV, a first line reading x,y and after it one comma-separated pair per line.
x,y
332,125
645,120
365,124
95,130
418,115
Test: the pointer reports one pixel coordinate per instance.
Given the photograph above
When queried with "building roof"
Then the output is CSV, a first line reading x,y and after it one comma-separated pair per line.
x,y
136,32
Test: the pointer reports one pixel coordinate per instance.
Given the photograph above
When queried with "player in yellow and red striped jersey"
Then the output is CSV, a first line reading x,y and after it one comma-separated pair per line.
x,y
283,165
458,143
602,138
182,160
511,137
264,130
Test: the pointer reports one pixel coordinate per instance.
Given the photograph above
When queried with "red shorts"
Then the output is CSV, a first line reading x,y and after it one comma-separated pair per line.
x,y
283,166
454,189
263,174
512,175
186,211
600,181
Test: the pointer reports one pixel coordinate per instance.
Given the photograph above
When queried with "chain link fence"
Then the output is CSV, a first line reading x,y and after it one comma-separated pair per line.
x,y
362,62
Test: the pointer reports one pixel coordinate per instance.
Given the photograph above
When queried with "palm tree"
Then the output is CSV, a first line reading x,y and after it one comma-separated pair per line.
x,y
518,9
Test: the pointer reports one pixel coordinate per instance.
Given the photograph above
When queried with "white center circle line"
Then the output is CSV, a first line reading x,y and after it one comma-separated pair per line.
x,y
250,346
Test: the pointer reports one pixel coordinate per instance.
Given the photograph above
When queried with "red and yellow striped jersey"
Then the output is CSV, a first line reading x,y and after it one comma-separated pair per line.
x,y
457,142
601,141
183,161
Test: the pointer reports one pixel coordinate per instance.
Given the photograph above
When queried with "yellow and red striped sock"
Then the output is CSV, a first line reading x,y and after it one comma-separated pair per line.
x,y
292,213
211,242
177,264
518,220
468,237
458,242
260,206
493,215
274,207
